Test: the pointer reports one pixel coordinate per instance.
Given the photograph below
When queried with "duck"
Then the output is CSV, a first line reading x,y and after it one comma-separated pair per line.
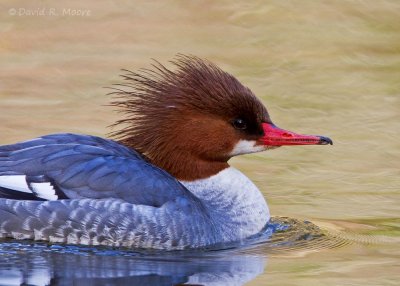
x,y
163,182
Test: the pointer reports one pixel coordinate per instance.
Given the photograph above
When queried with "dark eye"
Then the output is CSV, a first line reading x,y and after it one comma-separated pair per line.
x,y
239,123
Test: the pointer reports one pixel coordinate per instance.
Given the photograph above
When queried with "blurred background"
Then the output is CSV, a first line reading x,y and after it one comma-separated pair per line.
x,y
321,67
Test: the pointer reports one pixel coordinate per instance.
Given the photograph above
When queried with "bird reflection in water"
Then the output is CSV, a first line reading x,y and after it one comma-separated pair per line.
x,y
41,264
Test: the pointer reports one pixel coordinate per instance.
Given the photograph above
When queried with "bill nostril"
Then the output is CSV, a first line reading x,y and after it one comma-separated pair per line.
x,y
287,135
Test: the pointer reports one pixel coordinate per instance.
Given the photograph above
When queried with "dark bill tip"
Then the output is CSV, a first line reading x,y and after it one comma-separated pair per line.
x,y
325,140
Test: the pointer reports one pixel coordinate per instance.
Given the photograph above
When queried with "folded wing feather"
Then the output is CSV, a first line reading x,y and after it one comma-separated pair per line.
x,y
69,166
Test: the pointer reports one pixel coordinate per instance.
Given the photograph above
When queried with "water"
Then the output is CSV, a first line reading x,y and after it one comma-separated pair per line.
x,y
322,67
35,263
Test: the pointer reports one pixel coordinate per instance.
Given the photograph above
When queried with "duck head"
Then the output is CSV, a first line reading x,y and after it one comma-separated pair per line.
x,y
191,120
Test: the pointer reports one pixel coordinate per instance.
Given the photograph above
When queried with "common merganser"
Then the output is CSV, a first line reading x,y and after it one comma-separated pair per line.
x,y
165,184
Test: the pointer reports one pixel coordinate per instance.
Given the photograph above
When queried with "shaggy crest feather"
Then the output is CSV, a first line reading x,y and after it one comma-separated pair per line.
x,y
158,101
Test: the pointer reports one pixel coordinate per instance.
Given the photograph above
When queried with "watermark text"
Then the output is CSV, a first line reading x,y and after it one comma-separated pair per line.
x,y
50,12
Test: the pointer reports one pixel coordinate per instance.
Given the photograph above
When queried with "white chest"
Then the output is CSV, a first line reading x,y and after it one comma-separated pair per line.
x,y
238,206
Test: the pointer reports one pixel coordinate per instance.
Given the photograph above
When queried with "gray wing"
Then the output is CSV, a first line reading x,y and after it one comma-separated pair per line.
x,y
69,166
110,196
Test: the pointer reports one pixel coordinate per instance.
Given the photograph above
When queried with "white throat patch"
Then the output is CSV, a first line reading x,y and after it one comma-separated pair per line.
x,y
246,147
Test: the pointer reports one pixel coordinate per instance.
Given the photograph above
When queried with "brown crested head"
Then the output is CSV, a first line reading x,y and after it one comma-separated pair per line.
x,y
188,120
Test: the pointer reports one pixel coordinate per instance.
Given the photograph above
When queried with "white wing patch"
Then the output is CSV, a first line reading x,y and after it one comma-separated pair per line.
x,y
15,182
45,191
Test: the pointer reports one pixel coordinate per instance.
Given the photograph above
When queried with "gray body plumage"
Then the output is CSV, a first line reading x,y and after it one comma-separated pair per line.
x,y
111,222
103,193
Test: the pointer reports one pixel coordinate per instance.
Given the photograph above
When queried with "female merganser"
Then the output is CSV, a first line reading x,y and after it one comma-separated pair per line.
x,y
165,185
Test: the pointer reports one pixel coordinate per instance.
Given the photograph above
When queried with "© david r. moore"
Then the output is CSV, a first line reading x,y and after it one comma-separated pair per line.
x,y
49,12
